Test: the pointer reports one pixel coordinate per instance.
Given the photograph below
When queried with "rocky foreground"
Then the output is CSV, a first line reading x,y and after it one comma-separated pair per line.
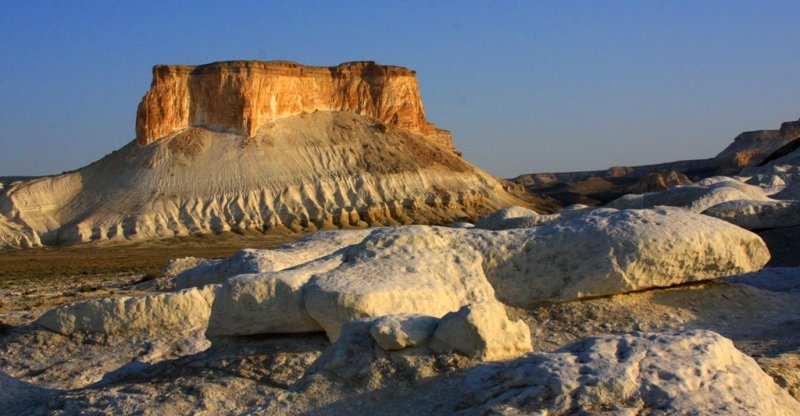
x,y
680,301
652,310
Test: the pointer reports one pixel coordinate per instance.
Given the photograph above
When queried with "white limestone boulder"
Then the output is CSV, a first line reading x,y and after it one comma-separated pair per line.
x,y
414,269
696,197
482,331
269,302
519,217
185,310
606,251
248,261
757,214
769,183
498,218
715,180
397,332
693,372
435,270
575,207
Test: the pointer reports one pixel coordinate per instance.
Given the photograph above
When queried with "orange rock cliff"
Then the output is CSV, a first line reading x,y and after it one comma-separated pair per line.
x,y
241,96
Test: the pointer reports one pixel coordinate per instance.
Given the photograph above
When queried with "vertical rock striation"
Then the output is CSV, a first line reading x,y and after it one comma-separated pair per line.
x,y
242,96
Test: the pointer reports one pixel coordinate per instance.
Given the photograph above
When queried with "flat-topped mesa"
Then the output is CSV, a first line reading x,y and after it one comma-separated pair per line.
x,y
242,96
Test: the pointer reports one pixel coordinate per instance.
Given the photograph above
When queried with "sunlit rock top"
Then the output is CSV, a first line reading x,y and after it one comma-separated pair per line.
x,y
242,96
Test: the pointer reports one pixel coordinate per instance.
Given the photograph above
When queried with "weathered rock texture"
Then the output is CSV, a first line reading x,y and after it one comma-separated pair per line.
x,y
433,271
187,309
756,215
695,372
242,96
752,147
16,235
696,197
482,331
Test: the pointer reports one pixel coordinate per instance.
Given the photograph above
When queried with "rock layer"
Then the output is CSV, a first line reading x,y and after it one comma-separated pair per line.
x,y
242,96
322,170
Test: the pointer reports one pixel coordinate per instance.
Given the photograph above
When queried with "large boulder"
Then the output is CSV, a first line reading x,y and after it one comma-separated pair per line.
x,y
519,217
258,261
397,332
482,331
184,310
696,198
415,269
694,372
261,303
755,215
606,251
433,271
498,219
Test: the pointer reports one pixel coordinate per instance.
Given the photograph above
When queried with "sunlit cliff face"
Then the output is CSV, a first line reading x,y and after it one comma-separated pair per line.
x,y
241,96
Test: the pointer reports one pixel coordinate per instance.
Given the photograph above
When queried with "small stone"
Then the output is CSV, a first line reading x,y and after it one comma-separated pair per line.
x,y
396,332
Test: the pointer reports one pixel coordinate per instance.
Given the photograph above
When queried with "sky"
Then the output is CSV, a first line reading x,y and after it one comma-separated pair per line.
x,y
525,86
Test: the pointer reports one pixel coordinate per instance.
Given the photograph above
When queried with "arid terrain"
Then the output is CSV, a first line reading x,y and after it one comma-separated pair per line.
x,y
315,246
39,278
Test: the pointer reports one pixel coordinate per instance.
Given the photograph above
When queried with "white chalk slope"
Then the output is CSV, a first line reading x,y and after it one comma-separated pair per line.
x,y
306,172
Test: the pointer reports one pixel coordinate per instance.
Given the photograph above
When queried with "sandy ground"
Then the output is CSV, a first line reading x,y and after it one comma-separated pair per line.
x,y
33,280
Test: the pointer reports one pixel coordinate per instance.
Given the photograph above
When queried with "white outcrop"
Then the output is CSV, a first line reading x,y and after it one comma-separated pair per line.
x,y
498,218
185,310
696,197
336,278
246,261
519,217
606,251
694,372
14,235
416,269
757,214
482,331
305,172
397,332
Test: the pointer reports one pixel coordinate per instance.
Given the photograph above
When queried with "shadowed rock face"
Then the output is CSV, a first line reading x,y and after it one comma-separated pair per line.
x,y
241,96
749,148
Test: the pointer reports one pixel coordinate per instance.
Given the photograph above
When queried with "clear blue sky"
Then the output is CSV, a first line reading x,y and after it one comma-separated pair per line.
x,y
524,86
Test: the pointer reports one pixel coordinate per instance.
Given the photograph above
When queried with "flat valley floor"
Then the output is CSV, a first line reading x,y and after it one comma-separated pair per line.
x,y
33,280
